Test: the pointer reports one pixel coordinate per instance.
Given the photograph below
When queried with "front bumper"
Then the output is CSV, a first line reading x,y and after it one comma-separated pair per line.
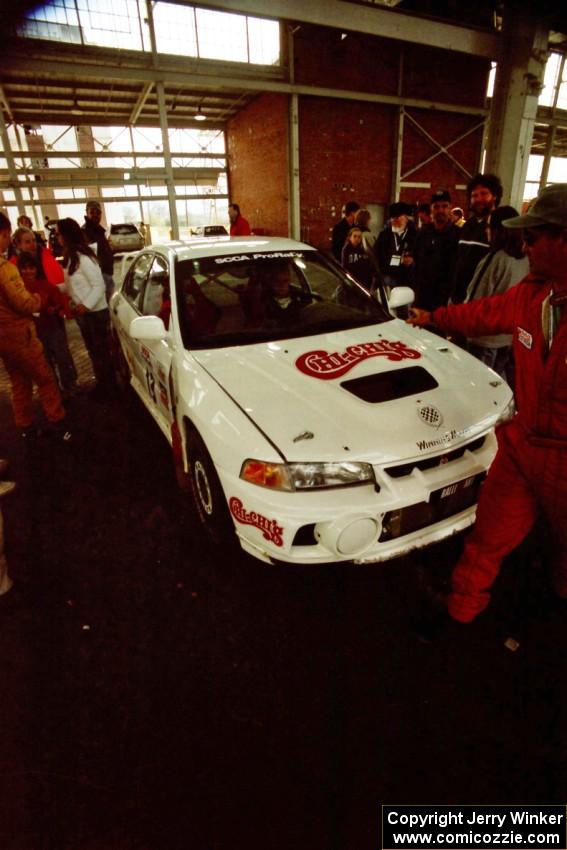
x,y
430,501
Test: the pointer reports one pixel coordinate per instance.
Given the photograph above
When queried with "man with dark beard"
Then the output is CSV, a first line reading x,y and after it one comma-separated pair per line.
x,y
435,253
484,193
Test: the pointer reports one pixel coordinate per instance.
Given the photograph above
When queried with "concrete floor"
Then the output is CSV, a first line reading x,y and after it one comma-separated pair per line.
x,y
156,696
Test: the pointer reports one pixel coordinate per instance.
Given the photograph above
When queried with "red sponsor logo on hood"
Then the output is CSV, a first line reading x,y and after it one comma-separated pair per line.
x,y
332,364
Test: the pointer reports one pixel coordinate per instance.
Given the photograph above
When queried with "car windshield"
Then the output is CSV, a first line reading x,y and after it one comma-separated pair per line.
x,y
250,298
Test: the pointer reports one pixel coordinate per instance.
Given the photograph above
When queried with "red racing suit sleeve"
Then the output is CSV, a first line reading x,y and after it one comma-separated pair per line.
x,y
53,271
485,317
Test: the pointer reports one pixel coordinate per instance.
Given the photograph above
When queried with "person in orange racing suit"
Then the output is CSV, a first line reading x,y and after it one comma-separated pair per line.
x,y
21,350
528,477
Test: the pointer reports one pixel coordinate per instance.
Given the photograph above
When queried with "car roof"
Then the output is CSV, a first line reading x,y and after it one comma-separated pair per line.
x,y
218,246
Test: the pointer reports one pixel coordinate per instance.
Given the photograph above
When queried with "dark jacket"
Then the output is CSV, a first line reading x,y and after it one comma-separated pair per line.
x,y
435,256
473,246
356,261
338,239
97,233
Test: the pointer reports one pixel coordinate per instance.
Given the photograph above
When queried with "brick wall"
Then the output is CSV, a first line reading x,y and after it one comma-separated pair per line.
x,y
440,171
346,147
257,142
345,153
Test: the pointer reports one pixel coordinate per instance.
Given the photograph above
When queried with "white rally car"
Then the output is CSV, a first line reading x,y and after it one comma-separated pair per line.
x,y
302,415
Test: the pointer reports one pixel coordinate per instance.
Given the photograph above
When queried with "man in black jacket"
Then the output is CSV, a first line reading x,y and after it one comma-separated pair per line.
x,y
435,255
484,193
342,227
96,234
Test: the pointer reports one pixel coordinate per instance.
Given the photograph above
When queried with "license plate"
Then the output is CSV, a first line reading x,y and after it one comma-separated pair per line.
x,y
444,503
455,487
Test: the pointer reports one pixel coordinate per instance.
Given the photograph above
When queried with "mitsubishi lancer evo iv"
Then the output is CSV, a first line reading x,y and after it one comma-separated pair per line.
x,y
304,418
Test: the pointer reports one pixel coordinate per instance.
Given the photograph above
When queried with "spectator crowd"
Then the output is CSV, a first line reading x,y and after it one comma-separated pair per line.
x,y
442,256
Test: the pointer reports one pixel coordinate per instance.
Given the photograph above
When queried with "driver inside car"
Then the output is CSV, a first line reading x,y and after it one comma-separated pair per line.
x,y
270,297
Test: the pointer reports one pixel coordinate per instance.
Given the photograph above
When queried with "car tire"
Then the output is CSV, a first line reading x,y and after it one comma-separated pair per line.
x,y
207,497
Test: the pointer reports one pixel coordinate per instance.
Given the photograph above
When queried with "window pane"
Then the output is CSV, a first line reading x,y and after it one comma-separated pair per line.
x,y
222,36
562,97
264,40
175,29
557,170
550,80
535,164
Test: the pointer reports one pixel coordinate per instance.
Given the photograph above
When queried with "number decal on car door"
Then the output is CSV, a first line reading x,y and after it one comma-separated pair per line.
x,y
151,385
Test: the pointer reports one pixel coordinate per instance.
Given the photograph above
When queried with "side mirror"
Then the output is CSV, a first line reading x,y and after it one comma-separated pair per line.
x,y
150,328
400,296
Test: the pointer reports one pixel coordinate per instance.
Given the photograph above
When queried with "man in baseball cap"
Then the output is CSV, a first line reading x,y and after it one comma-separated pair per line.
x,y
528,477
96,235
435,254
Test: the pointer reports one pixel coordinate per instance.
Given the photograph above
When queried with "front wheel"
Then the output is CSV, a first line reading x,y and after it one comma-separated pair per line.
x,y
207,496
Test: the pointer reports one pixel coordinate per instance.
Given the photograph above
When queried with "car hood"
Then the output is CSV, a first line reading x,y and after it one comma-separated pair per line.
x,y
315,398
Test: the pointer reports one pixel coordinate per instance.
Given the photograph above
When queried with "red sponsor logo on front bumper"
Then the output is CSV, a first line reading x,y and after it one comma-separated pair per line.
x,y
269,527
327,365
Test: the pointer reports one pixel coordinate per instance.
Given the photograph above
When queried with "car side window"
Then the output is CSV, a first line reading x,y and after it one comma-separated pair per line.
x,y
135,279
156,292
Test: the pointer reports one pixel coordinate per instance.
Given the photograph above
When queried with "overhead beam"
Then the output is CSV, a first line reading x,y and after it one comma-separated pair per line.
x,y
386,23
143,96
108,154
141,175
216,84
72,199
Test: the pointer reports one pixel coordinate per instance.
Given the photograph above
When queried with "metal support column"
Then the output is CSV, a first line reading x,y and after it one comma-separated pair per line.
x,y
160,91
398,138
133,149
12,167
514,105
294,214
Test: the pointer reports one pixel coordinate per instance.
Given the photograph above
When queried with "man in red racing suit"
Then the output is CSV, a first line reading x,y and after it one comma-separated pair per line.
x,y
529,474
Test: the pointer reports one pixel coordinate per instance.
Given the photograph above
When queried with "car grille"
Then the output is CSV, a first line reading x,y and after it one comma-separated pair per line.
x,y
404,469
445,502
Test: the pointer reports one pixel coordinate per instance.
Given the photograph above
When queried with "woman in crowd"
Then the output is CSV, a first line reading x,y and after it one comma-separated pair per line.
x,y
501,269
362,221
355,260
47,266
85,286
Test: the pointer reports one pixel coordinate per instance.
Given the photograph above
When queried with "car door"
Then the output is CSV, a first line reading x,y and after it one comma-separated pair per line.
x,y
127,306
155,355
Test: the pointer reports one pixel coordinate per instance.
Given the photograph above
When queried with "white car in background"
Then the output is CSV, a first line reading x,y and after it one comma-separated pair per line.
x,y
209,230
125,237
303,417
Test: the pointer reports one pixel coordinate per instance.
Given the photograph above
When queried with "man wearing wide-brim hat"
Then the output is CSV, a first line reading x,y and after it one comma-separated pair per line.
x,y
394,247
528,477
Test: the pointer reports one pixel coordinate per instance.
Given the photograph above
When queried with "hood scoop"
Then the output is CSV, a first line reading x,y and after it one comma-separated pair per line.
x,y
388,386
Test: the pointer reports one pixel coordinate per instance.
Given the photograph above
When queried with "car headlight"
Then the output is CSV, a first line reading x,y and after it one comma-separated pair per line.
x,y
306,476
